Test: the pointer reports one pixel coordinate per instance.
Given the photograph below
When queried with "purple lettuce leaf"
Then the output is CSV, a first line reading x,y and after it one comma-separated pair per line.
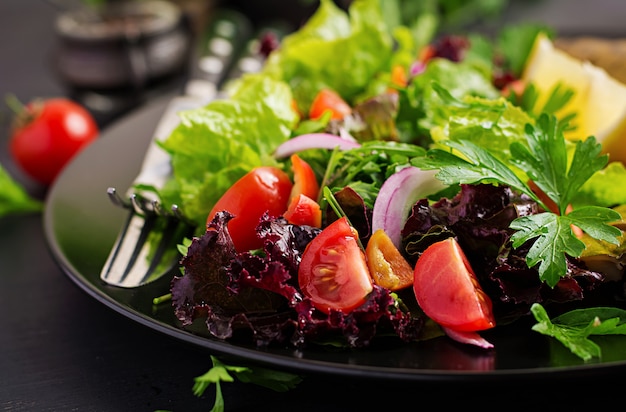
x,y
377,316
355,208
479,217
256,296
207,281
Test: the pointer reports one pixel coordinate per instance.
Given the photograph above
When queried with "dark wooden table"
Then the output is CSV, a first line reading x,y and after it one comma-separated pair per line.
x,y
61,350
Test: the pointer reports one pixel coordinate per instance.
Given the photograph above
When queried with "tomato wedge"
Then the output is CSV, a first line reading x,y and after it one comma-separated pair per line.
x,y
333,272
329,100
305,181
399,76
303,210
263,189
448,291
387,266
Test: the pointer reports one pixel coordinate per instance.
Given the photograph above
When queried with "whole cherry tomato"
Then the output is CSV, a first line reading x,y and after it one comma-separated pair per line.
x,y
263,189
47,134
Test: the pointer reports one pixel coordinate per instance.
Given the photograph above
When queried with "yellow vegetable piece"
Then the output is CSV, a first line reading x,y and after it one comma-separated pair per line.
x,y
387,266
547,67
599,100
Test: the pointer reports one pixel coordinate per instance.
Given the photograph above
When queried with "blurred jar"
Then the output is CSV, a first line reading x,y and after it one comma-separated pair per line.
x,y
122,44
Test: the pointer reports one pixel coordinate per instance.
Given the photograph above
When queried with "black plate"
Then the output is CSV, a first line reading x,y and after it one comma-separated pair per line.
x,y
81,225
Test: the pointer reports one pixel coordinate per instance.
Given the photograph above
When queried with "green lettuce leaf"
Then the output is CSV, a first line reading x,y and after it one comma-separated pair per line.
x,y
215,145
491,124
604,188
435,94
334,49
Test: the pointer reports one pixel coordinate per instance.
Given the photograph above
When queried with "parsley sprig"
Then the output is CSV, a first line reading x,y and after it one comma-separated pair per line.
x,y
574,328
220,372
543,158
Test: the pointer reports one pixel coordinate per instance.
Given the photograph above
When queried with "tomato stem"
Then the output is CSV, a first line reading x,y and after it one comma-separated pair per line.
x,y
14,103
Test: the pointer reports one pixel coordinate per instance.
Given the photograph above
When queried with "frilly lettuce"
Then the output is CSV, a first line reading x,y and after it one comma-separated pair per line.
x,y
336,50
215,145
423,105
603,188
492,124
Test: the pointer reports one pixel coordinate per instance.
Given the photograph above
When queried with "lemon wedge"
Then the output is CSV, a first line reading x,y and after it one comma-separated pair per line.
x,y
599,100
548,67
605,113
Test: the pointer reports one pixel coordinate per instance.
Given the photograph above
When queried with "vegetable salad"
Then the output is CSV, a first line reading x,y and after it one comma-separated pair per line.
x,y
421,192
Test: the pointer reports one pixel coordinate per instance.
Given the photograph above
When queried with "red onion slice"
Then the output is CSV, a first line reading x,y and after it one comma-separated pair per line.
x,y
469,338
397,196
313,141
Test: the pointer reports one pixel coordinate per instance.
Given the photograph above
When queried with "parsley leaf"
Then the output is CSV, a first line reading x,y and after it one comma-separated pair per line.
x,y
554,237
573,328
476,166
547,249
559,96
221,372
544,158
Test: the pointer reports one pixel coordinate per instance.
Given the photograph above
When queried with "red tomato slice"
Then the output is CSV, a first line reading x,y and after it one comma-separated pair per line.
x,y
303,210
333,272
263,189
447,289
305,181
327,99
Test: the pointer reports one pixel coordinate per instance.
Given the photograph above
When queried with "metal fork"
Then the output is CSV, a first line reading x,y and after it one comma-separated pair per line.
x,y
145,249
146,246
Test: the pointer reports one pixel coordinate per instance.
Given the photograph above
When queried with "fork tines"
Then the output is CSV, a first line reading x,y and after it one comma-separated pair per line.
x,y
143,205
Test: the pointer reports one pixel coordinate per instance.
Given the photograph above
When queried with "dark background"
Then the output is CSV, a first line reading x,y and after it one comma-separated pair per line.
x,y
60,350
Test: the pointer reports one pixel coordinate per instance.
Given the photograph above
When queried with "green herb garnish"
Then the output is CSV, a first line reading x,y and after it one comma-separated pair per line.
x,y
220,372
543,158
573,328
